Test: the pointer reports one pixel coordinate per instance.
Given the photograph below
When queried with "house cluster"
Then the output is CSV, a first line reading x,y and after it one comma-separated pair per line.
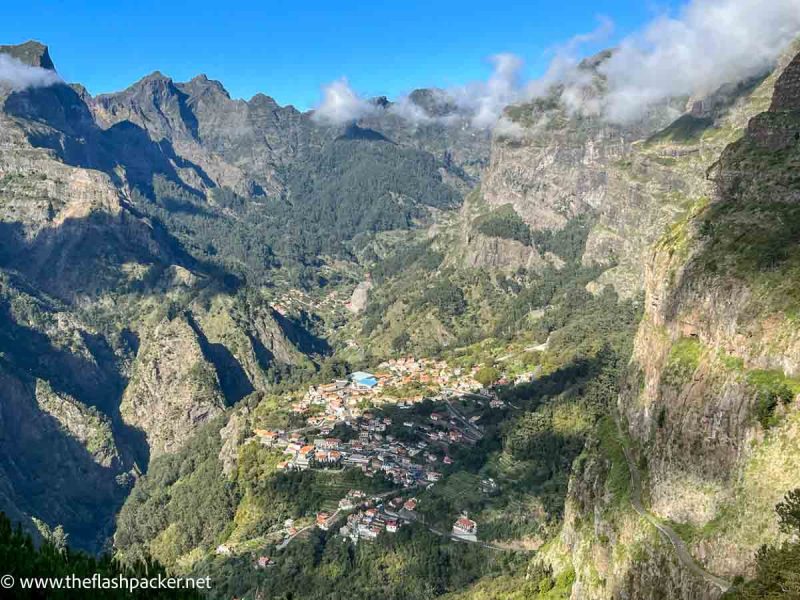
x,y
405,371
404,463
352,499
397,381
373,449
340,400
367,524
409,460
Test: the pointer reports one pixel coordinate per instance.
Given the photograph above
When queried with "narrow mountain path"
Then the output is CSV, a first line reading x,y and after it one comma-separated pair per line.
x,y
684,556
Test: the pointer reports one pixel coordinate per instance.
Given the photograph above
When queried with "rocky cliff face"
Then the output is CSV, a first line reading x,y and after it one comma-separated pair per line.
x,y
111,347
709,409
554,161
249,146
557,173
173,388
58,460
717,351
615,552
662,177
30,53
557,160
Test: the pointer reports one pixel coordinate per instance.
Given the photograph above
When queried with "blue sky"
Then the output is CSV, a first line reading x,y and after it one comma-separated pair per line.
x,y
290,49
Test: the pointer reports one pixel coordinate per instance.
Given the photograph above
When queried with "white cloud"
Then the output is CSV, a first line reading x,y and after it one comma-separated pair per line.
x,y
407,109
340,104
509,129
567,57
19,76
707,44
486,100
480,103
578,95
710,42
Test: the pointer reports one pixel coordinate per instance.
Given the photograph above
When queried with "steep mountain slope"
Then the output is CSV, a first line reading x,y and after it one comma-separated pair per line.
x,y
708,410
261,139
718,346
172,387
559,202
273,187
169,257
143,237
564,190
90,293
238,144
562,159
706,413
551,162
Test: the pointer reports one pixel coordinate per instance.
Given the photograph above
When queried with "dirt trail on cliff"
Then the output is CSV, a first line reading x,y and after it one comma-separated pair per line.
x,y
684,556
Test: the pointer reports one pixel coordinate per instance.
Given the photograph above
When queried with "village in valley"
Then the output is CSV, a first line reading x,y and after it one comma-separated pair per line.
x,y
401,423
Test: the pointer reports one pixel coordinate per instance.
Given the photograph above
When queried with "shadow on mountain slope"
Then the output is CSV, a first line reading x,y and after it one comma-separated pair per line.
x,y
233,379
49,472
73,135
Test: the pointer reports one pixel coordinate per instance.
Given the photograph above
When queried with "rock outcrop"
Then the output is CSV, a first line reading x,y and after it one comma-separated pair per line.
x,y
58,460
359,297
90,375
709,407
173,388
30,53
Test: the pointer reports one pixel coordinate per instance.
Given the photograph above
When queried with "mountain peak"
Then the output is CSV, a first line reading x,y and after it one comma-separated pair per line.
x,y
590,63
263,100
154,83
435,102
31,53
155,76
201,83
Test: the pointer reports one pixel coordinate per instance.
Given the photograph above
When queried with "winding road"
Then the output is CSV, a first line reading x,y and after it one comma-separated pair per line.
x,y
467,424
684,556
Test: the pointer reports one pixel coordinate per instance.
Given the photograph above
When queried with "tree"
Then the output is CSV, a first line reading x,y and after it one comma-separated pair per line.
x,y
486,376
401,342
505,223
778,566
789,512
447,298
20,558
